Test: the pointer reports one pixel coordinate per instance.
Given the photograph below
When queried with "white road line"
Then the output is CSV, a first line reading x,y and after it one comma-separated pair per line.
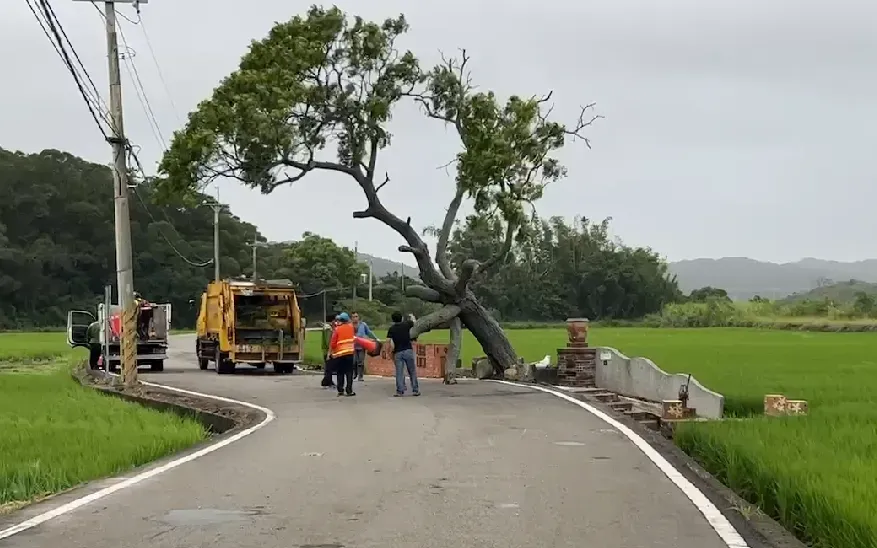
x,y
714,517
151,473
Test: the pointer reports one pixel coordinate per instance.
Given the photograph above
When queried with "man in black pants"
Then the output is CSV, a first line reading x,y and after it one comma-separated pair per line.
x,y
328,327
341,352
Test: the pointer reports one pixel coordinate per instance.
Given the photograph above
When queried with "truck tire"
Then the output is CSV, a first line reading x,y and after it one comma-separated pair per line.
x,y
283,368
224,366
259,365
202,362
156,365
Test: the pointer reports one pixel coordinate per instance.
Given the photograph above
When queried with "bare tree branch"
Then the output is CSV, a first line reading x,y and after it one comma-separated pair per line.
x,y
416,245
386,180
441,249
467,271
435,319
423,293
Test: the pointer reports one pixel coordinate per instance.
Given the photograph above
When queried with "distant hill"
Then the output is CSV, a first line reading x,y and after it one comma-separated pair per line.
x,y
841,293
381,267
744,278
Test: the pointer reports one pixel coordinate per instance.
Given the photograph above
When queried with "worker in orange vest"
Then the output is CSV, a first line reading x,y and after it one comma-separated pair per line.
x,y
341,353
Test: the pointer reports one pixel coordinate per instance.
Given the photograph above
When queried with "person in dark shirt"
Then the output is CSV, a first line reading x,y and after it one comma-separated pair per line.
x,y
328,327
399,335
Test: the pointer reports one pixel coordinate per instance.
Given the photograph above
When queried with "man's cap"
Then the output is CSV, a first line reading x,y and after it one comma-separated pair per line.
x,y
343,317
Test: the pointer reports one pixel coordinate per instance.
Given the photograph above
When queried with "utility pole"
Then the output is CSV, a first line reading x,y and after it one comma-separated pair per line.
x,y
216,207
403,280
124,259
255,245
355,258
371,277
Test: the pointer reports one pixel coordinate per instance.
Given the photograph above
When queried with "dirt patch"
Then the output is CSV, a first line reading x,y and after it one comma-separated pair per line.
x,y
217,416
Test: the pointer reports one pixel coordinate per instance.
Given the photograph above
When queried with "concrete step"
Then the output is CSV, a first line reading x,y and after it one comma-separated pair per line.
x,y
652,424
621,405
641,415
606,397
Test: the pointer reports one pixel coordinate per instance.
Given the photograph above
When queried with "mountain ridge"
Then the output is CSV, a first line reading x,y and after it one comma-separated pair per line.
x,y
742,277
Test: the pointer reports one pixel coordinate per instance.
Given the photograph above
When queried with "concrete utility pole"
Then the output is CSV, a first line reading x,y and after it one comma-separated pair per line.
x,y
216,207
256,245
124,259
371,277
355,258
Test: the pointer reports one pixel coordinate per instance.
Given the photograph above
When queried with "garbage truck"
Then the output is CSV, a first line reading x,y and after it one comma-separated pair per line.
x,y
153,327
250,322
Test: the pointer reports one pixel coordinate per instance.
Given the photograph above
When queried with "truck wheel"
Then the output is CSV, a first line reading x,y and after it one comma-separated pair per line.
x,y
156,365
224,366
283,368
202,362
259,365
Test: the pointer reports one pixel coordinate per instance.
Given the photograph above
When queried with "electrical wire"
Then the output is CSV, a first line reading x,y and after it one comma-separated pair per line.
x,y
158,68
165,238
96,94
139,88
58,44
53,27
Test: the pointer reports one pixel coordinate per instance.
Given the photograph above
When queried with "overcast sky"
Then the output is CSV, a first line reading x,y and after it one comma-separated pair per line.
x,y
732,128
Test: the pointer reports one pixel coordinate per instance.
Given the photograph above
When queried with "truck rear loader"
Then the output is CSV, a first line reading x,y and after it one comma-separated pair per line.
x,y
250,322
152,336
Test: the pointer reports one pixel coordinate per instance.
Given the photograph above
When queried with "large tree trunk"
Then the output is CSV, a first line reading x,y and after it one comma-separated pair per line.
x,y
474,317
488,333
455,347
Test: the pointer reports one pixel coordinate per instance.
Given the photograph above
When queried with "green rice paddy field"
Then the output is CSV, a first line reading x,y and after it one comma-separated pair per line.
x,y
56,434
816,474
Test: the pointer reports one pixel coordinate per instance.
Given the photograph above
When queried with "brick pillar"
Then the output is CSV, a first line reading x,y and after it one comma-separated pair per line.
x,y
577,366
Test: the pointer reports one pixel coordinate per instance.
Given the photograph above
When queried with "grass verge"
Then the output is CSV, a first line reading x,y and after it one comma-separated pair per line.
x,y
56,434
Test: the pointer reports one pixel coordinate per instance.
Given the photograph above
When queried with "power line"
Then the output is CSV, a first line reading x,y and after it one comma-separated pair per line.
x,y
165,238
158,69
94,90
139,88
58,44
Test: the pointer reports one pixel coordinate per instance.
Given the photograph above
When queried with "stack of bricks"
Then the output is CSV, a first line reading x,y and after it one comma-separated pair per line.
x,y
777,405
577,364
429,359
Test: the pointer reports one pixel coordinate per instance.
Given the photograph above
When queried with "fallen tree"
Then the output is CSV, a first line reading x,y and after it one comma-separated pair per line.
x,y
324,81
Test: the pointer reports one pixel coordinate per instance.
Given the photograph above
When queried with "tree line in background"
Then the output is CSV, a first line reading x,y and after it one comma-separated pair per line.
x,y
57,253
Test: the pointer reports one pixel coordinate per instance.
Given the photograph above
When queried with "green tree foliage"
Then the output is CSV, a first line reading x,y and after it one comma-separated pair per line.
x,y
317,94
558,270
704,294
57,249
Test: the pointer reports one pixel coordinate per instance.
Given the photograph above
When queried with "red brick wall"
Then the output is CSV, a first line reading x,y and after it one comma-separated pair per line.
x,y
429,359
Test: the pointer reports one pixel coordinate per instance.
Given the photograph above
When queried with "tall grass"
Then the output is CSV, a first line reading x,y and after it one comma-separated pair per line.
x,y
764,314
56,434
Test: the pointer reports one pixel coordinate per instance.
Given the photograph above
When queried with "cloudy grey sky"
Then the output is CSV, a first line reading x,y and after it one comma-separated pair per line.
x,y
732,128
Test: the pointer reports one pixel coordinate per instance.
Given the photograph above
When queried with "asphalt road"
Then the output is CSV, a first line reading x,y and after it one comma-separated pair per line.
x,y
478,464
